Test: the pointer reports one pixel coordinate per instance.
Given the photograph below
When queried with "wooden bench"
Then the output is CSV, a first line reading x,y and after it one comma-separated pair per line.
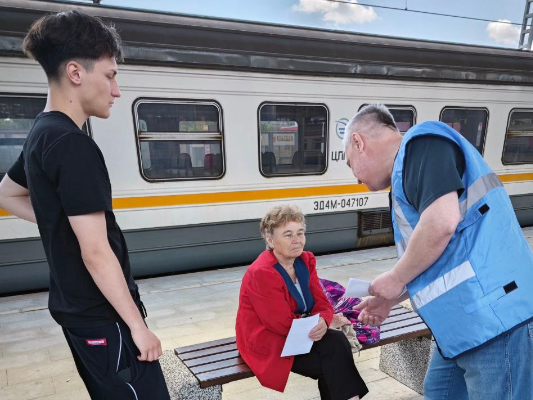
x,y
218,362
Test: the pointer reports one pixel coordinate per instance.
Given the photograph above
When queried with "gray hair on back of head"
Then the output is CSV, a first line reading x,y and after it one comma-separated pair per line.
x,y
368,119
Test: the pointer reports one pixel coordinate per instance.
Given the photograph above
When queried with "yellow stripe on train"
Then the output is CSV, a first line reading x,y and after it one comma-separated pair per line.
x,y
232,197
254,195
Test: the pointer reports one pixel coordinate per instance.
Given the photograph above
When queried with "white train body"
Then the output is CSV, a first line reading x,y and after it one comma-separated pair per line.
x,y
181,224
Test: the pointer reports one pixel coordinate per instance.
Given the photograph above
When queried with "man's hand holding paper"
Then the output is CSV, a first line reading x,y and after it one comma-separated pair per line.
x,y
387,286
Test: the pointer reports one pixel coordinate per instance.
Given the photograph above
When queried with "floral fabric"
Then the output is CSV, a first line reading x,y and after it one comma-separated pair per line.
x,y
334,291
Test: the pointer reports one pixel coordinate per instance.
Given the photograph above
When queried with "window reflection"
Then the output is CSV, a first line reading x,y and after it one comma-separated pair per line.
x,y
293,139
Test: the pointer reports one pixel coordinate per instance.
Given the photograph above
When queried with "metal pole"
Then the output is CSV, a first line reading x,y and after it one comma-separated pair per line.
x,y
526,36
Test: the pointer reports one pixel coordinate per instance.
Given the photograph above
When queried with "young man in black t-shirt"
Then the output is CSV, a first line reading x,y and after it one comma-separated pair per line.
x,y
60,181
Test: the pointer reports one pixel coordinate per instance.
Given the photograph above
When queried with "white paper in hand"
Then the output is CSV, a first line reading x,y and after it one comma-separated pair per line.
x,y
298,341
357,288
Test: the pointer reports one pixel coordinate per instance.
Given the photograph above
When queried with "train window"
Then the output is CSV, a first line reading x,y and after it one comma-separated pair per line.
x,y
17,114
293,139
469,122
404,116
16,119
518,146
179,139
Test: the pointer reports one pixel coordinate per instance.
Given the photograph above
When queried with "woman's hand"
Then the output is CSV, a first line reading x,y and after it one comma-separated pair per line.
x,y
339,320
319,330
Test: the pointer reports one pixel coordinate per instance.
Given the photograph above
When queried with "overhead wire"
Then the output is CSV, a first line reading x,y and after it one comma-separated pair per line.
x,y
423,12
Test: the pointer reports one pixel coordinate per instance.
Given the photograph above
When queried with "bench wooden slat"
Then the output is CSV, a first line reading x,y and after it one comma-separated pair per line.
x,y
419,329
398,318
398,311
212,358
207,352
222,376
397,335
217,365
203,346
401,324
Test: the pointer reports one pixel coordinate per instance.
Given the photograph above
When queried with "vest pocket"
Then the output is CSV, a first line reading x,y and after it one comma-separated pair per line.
x,y
485,300
473,216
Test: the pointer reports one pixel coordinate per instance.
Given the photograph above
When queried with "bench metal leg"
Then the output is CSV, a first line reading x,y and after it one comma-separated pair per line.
x,y
182,385
407,361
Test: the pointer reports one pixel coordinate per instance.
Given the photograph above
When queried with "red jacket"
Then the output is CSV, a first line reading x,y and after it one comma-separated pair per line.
x,y
264,318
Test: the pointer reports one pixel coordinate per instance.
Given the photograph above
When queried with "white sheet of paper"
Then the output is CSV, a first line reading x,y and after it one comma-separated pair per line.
x,y
298,341
357,288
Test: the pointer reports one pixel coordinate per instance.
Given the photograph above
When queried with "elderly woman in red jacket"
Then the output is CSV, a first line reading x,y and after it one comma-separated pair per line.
x,y
282,285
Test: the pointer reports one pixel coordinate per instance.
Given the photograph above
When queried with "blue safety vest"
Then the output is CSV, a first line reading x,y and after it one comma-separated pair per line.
x,y
482,284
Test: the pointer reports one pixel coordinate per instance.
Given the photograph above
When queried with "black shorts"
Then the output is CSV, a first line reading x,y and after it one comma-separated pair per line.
x,y
106,358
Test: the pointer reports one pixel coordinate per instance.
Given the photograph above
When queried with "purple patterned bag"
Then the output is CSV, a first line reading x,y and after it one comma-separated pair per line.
x,y
334,291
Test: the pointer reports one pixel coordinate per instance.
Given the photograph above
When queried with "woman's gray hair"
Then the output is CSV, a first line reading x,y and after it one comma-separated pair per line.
x,y
368,119
278,216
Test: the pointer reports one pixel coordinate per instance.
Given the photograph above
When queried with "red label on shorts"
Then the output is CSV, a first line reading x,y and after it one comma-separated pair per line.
x,y
96,342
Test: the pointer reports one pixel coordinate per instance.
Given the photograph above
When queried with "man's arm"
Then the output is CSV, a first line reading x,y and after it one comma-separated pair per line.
x,y
432,184
104,267
430,237
15,199
429,240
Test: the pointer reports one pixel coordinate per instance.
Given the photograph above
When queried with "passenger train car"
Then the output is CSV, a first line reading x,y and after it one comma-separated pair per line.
x,y
221,119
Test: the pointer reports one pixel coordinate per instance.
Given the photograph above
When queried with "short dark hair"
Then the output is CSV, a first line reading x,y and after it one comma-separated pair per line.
x,y
57,38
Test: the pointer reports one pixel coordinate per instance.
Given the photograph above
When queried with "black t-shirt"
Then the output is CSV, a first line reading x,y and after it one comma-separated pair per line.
x,y
65,173
433,167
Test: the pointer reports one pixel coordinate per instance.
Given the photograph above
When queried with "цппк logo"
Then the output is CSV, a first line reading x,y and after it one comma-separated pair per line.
x,y
341,125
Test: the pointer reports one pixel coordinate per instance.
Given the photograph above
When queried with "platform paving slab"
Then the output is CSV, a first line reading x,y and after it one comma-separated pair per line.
x,y
3,378
34,389
69,382
59,352
46,369
12,361
80,394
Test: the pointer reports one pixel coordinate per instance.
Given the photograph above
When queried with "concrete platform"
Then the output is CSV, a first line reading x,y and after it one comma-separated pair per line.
x,y
184,309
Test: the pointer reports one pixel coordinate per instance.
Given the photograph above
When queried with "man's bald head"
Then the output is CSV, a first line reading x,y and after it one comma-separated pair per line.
x,y
371,141
369,121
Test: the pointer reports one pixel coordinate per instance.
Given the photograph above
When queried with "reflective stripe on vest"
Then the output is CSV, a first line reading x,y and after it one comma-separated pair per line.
x,y
478,189
474,193
406,230
441,285
400,247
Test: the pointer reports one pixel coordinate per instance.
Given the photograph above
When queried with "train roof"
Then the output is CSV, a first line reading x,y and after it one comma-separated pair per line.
x,y
170,39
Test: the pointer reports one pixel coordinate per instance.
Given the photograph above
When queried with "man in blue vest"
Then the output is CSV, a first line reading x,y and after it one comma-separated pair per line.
x,y
462,256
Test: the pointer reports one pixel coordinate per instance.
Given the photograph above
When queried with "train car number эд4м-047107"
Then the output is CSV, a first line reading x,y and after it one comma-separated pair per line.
x,y
335,204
